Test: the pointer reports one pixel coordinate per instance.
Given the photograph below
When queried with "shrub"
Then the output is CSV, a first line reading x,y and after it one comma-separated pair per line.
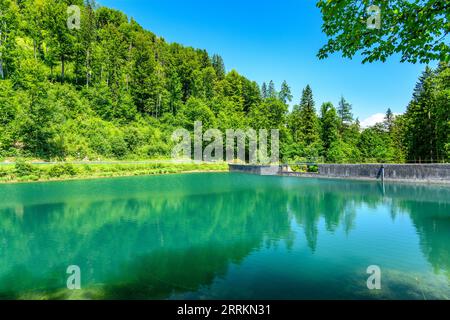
x,y
60,170
119,146
299,168
23,169
3,173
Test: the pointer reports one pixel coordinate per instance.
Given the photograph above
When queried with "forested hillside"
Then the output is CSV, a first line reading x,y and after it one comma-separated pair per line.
x,y
112,90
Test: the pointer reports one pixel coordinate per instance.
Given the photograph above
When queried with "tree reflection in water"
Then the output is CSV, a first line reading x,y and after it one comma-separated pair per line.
x,y
163,237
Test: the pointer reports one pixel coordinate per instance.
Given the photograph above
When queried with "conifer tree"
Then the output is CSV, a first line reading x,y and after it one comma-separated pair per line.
x,y
285,94
308,118
345,112
264,94
389,119
219,66
329,121
271,92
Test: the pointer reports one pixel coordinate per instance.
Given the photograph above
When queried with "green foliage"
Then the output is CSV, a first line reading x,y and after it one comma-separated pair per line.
x,y
219,66
304,168
299,168
59,170
342,152
426,124
389,120
330,124
271,113
305,127
24,169
345,113
375,145
264,94
197,110
271,91
285,94
112,90
418,30
309,124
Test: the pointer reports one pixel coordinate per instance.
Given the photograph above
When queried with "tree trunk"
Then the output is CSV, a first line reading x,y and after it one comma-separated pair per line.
x,y
130,48
34,48
87,68
62,68
2,74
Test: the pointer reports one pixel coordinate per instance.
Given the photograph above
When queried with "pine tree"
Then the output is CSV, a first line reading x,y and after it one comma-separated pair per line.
x,y
271,93
219,66
285,93
209,81
427,117
251,94
389,120
345,112
309,124
329,121
419,88
420,122
442,111
264,94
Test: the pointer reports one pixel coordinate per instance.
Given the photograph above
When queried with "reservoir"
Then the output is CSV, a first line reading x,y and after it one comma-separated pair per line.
x,y
224,236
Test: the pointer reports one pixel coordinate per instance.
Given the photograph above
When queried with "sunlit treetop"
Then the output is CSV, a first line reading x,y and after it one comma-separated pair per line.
x,y
418,30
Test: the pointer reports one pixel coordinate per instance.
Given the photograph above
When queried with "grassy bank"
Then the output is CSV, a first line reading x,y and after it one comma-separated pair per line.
x,y
27,172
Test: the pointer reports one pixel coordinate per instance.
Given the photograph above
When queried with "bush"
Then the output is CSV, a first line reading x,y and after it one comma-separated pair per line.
x,y
60,170
23,169
119,147
3,173
299,168
310,168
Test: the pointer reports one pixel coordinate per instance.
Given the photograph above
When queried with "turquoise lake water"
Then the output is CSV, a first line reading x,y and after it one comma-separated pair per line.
x,y
224,236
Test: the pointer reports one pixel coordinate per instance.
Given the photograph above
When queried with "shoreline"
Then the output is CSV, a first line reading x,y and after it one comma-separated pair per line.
x,y
304,176
39,173
77,172
88,178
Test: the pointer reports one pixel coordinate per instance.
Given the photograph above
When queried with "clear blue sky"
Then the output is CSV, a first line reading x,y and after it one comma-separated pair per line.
x,y
278,40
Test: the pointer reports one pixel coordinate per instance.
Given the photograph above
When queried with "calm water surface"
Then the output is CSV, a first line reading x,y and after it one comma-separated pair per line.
x,y
224,236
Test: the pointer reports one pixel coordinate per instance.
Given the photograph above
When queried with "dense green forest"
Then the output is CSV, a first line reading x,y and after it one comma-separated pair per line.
x,y
112,90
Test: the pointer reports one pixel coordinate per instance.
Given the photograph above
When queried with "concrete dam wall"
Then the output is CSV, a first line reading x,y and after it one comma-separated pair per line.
x,y
423,172
392,172
256,169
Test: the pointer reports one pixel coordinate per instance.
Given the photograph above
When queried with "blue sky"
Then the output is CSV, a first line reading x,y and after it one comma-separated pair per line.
x,y
277,40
